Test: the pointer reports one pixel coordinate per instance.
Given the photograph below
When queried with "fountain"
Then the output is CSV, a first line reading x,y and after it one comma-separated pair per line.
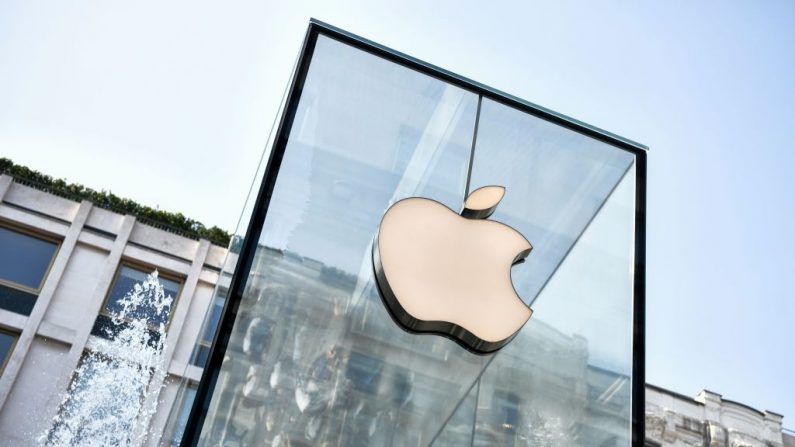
x,y
114,391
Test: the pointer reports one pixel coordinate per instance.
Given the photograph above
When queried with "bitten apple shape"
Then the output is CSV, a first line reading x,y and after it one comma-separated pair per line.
x,y
447,273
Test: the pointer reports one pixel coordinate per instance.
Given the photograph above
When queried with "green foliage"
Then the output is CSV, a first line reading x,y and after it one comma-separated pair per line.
x,y
173,222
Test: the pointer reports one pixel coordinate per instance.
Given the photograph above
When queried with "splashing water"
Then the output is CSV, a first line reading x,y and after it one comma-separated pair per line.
x,y
114,391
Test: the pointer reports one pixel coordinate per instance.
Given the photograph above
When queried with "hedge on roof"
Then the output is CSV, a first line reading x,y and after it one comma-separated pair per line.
x,y
172,222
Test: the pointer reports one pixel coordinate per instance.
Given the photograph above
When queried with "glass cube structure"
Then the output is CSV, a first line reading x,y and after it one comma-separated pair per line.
x,y
306,353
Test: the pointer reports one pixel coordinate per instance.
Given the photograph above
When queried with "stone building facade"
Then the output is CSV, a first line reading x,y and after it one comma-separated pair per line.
x,y
709,420
48,322
61,265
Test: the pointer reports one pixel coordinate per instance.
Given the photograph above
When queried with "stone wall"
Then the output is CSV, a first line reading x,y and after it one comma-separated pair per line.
x,y
708,420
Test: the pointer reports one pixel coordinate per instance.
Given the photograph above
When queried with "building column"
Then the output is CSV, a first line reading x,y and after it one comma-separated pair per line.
x,y
43,300
712,404
183,304
5,184
772,428
159,420
91,309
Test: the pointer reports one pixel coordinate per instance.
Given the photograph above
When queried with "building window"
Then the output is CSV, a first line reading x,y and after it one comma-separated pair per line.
x,y
507,404
179,416
126,279
69,425
7,342
25,260
104,403
202,352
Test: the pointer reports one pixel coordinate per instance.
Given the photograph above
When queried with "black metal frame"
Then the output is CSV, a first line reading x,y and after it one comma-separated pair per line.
x,y
316,28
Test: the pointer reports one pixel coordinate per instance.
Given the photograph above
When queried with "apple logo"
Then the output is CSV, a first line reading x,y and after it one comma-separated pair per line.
x,y
446,273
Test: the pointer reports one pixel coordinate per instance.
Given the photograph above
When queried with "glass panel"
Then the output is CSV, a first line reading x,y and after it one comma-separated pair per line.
x,y
556,180
200,355
566,378
17,300
202,350
7,342
314,356
181,418
215,316
126,280
458,430
24,259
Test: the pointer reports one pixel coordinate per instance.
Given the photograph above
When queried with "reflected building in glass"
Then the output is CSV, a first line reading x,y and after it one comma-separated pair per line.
x,y
306,353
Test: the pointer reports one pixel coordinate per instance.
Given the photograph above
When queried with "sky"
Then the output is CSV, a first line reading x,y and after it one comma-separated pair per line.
x,y
171,103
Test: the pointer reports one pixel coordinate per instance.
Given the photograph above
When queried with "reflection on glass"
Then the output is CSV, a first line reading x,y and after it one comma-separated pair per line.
x,y
24,259
24,262
556,180
202,350
179,416
126,280
458,430
7,343
566,378
314,358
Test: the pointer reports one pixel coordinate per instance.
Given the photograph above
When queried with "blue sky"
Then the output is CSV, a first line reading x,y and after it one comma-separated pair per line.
x,y
170,104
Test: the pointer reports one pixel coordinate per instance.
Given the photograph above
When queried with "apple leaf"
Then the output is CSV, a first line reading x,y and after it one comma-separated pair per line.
x,y
485,197
483,201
